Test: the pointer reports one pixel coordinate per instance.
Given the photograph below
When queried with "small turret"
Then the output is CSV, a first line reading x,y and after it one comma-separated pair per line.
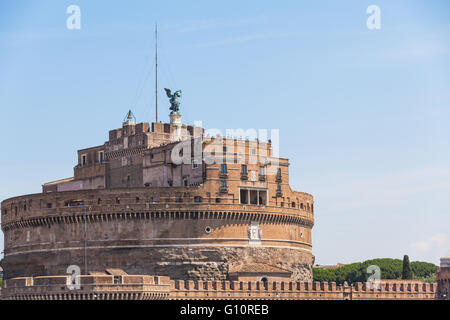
x,y
129,118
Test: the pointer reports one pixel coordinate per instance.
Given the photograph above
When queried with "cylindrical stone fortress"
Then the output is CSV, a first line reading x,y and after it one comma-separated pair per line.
x,y
132,206
124,229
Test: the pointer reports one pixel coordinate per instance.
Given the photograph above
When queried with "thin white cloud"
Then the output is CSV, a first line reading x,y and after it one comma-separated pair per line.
x,y
437,245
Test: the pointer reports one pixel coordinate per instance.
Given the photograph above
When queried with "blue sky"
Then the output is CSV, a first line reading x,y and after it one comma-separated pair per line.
x,y
363,114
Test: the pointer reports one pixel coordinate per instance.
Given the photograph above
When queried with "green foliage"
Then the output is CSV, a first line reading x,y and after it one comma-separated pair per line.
x,y
1,283
423,269
406,272
390,269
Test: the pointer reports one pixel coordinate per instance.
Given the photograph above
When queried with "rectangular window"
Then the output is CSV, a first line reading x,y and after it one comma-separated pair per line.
x,y
223,184
262,198
223,168
253,197
262,171
83,160
100,156
244,196
244,169
194,164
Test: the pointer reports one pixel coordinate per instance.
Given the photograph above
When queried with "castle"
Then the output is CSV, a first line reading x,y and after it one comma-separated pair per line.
x,y
163,211
165,201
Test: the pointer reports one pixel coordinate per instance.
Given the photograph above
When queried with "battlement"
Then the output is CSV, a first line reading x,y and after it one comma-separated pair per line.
x,y
155,287
299,290
87,287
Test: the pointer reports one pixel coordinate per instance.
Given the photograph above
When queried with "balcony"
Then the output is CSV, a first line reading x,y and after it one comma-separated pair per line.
x,y
223,189
244,176
262,177
223,175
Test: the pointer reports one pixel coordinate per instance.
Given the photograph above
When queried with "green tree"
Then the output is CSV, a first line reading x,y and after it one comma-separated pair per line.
x,y
406,272
423,270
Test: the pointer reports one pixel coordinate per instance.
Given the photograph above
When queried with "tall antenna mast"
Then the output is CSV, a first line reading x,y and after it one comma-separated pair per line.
x,y
156,70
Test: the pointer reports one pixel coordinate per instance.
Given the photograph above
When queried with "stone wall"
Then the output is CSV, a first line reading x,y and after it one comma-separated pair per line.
x,y
147,231
137,287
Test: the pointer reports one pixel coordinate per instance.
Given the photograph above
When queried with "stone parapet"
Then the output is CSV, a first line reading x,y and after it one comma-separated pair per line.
x,y
136,287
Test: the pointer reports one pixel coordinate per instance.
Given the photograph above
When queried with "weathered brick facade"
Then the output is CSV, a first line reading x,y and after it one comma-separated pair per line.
x,y
144,212
131,287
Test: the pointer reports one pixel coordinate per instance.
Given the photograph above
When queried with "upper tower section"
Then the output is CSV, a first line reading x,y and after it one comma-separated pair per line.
x,y
118,162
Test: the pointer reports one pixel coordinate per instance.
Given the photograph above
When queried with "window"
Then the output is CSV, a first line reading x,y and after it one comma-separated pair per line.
x,y
137,200
253,197
244,196
262,171
49,206
223,168
198,199
279,190
194,164
83,160
217,201
293,204
185,182
100,156
117,200
244,169
253,151
223,184
262,198
278,178
208,229
224,149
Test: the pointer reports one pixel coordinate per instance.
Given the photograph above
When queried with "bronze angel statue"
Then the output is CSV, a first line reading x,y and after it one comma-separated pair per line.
x,y
174,100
